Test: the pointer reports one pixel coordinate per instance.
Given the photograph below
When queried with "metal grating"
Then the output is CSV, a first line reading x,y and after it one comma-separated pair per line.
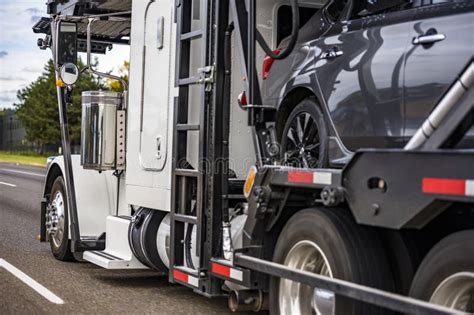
x,y
116,5
108,29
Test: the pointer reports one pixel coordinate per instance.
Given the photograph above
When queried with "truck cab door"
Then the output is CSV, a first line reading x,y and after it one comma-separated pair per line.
x,y
149,120
442,43
155,98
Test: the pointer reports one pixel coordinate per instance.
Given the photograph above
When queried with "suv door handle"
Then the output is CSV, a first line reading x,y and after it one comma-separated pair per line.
x,y
428,39
332,53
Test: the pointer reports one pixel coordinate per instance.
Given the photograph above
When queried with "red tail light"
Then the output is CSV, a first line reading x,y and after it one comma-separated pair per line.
x,y
267,64
242,99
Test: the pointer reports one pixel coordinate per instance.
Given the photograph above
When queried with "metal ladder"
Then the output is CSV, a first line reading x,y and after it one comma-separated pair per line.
x,y
188,183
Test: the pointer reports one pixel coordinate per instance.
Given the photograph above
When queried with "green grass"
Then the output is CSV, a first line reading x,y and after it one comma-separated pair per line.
x,y
23,159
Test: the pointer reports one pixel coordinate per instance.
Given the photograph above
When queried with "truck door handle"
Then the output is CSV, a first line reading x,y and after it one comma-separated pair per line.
x,y
428,39
332,53
158,147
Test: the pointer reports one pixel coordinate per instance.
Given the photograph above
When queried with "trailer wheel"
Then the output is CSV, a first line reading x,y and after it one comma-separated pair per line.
x,y
57,222
304,138
330,243
446,275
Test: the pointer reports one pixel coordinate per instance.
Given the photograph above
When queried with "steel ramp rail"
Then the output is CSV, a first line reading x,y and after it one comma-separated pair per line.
x,y
351,290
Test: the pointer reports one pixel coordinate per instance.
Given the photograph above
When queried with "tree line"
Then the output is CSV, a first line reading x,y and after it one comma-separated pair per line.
x,y
37,106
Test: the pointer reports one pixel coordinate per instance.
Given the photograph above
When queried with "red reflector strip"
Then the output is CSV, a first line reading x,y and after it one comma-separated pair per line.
x,y
227,272
183,277
320,178
221,270
300,177
443,186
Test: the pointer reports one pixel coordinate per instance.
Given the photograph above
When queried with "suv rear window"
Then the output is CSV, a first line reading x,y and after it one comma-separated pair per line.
x,y
285,20
367,8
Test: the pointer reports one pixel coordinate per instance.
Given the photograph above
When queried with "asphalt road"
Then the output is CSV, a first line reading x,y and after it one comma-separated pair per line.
x,y
84,288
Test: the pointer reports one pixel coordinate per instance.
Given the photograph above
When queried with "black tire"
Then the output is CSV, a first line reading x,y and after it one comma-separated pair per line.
x,y
404,257
297,152
354,253
62,252
452,255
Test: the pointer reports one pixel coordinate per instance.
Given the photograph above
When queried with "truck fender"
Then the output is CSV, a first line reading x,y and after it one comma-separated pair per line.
x,y
96,195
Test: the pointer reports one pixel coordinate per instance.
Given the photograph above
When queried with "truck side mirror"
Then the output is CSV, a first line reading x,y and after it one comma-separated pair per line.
x,y
69,73
67,43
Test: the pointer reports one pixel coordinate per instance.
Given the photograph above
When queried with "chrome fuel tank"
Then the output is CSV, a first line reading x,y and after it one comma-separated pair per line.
x,y
99,129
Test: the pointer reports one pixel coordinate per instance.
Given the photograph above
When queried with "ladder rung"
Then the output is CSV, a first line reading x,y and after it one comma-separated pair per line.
x,y
185,218
189,81
191,35
184,127
185,172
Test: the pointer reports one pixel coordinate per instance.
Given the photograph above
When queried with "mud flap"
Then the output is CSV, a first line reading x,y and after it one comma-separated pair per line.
x,y
42,236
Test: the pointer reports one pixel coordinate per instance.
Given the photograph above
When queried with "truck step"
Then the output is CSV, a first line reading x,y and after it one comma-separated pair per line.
x,y
117,253
110,261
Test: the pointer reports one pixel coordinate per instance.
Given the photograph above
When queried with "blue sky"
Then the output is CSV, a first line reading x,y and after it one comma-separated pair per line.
x,y
21,61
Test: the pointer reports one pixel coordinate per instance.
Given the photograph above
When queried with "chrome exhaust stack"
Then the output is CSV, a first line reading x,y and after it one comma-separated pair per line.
x,y
248,301
448,102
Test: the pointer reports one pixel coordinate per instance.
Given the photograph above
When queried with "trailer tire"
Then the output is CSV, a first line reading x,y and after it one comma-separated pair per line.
x,y
60,244
317,156
352,252
404,257
446,274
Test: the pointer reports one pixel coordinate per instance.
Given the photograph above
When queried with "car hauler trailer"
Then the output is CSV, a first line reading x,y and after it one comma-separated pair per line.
x,y
157,188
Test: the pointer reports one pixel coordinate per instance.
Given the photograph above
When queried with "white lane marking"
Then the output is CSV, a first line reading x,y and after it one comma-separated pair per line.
x,y
50,296
7,184
21,172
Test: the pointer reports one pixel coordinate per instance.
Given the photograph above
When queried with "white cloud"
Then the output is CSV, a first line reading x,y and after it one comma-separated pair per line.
x,y
21,61
34,11
11,78
10,98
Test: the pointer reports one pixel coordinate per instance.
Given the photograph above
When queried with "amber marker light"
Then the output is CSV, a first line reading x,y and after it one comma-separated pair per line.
x,y
249,181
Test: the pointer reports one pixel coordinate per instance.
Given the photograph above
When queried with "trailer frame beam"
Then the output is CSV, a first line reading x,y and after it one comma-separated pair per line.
x,y
354,291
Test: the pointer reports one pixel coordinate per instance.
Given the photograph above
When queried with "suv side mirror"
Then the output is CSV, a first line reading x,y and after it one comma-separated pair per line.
x,y
67,43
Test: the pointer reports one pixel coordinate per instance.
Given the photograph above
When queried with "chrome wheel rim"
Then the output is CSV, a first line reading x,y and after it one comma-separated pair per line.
x,y
456,292
302,145
55,219
296,298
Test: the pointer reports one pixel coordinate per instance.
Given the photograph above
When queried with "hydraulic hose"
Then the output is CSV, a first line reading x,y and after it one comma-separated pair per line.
x,y
188,241
294,35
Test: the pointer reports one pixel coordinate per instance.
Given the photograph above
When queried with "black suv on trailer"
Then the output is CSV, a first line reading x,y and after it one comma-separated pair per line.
x,y
365,74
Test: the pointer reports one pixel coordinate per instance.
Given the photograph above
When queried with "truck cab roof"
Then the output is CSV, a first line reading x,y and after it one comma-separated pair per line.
x,y
105,31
